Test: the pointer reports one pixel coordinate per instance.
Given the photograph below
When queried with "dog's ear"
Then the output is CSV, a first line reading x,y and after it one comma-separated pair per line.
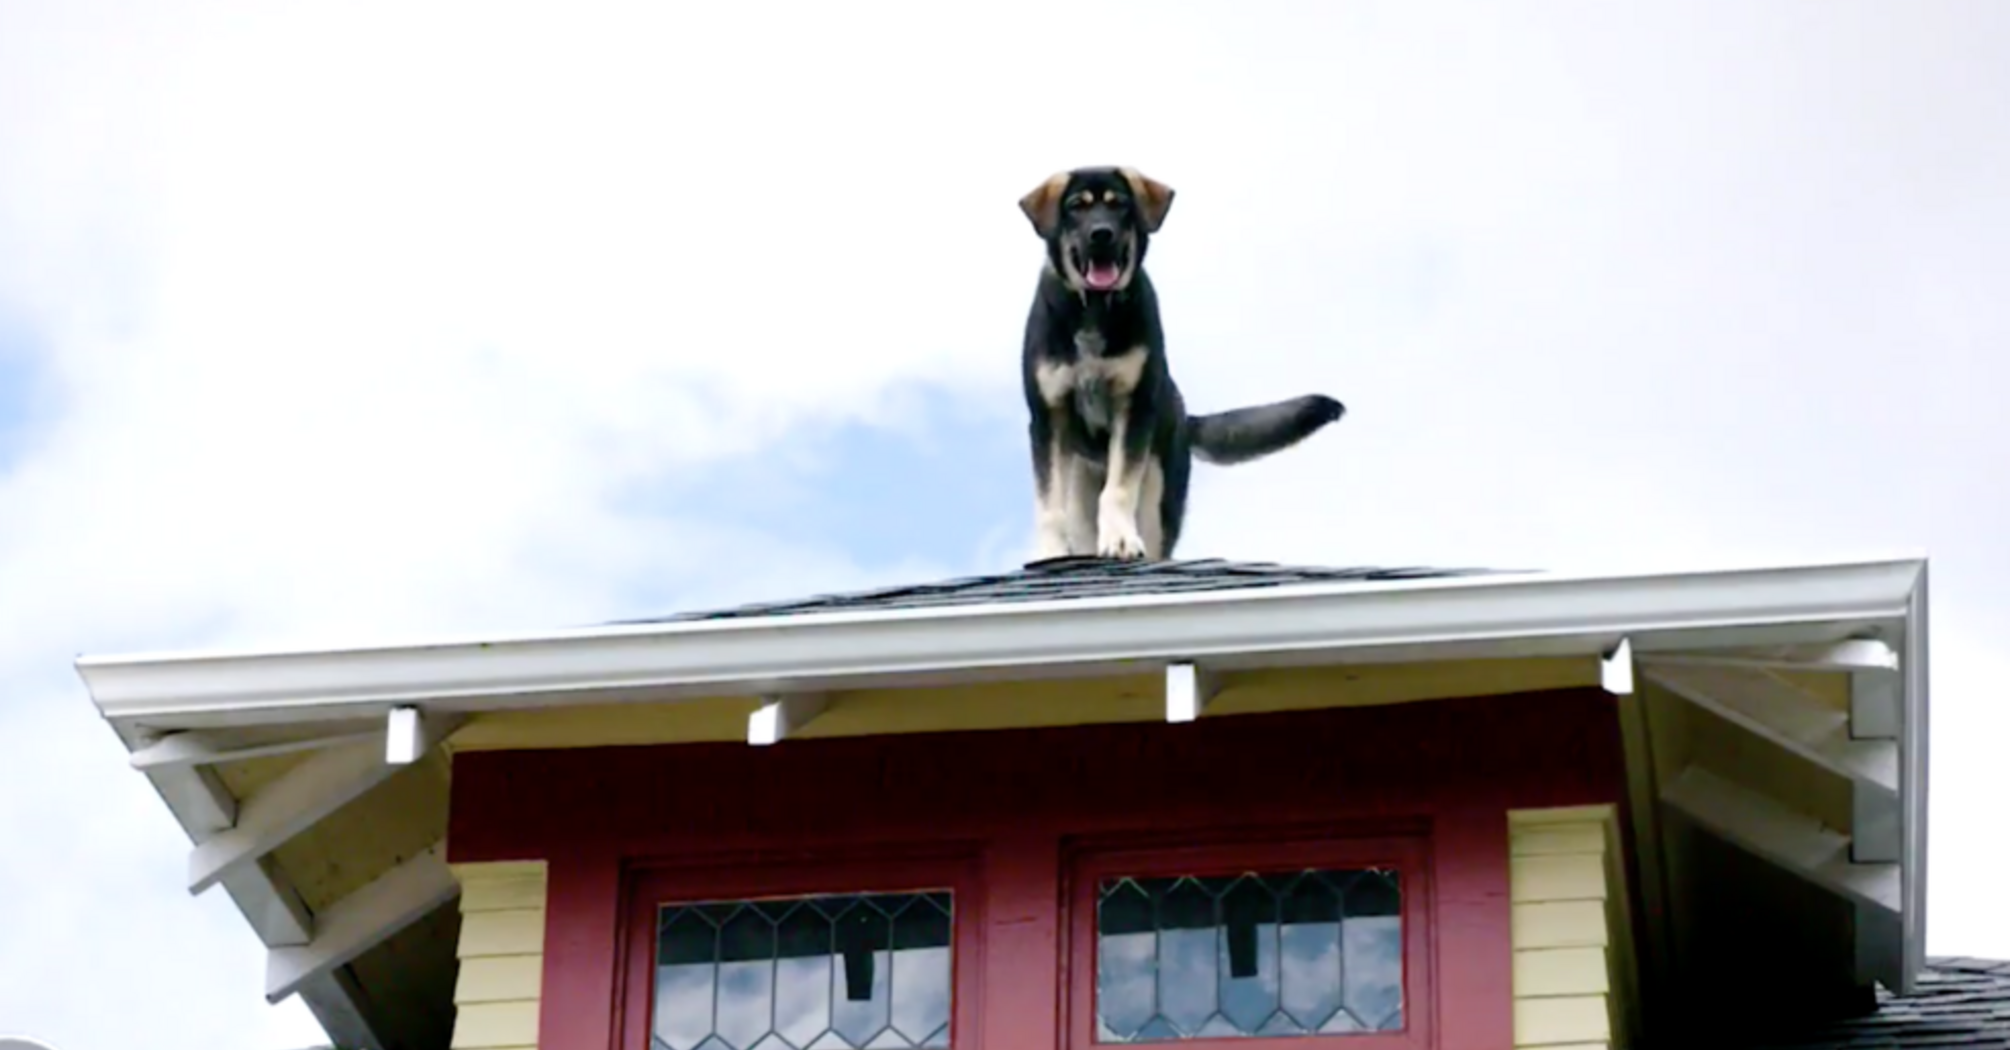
x,y
1154,198
1043,205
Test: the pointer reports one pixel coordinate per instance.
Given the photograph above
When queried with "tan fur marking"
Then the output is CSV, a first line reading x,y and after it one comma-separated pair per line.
x,y
1151,525
1123,372
1154,198
1053,505
1117,507
1083,479
1043,205
1057,380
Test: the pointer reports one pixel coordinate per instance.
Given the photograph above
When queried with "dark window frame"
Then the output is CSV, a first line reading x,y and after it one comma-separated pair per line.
x,y
753,877
1253,848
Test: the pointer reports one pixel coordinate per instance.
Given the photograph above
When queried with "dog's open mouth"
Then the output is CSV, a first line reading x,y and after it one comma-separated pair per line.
x,y
1100,274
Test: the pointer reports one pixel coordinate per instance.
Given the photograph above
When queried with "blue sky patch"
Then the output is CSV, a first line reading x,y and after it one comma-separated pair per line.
x,y
946,484
23,388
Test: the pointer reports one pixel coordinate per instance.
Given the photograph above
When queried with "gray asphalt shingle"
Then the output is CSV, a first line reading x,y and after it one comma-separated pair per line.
x,y
1065,578
1960,1002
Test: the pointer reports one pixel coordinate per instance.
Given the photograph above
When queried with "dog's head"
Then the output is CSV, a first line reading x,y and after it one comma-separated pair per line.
x,y
1097,222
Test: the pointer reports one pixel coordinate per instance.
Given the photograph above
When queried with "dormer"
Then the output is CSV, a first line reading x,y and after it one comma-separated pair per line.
x,y
1204,803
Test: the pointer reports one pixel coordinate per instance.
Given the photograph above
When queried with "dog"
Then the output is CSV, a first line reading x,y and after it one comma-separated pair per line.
x,y
1106,416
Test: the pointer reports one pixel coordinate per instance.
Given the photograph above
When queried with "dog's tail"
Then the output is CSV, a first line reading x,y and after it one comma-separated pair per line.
x,y
1242,434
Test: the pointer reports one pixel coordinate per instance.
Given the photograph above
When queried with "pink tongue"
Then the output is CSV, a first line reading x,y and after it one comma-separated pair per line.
x,y
1103,276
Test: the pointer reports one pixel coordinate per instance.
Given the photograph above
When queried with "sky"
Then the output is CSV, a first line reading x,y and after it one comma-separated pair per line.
x,y
331,322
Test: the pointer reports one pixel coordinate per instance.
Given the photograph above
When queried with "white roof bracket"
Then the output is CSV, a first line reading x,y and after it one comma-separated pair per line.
x,y
404,736
1615,674
310,791
1189,689
204,747
1787,837
1876,704
286,807
1777,711
1875,833
1855,654
362,920
781,717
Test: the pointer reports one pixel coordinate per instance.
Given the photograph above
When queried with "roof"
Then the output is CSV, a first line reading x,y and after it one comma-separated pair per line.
x,y
192,719
1084,618
1070,578
1959,1002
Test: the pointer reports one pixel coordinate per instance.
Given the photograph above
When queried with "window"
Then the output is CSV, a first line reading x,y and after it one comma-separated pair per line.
x,y
1313,942
835,972
830,959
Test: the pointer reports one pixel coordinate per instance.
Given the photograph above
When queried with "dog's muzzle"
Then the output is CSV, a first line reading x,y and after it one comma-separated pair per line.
x,y
1103,259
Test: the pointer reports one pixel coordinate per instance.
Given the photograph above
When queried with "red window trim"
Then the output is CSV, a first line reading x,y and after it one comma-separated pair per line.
x,y
747,876
1247,848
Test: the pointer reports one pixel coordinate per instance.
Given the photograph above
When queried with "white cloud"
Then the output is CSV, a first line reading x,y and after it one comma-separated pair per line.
x,y
362,323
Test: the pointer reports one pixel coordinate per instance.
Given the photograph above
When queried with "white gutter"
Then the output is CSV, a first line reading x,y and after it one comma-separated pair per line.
x,y
1358,622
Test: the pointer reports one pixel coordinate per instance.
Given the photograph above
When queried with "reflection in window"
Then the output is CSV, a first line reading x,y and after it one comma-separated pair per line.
x,y
1273,954
847,972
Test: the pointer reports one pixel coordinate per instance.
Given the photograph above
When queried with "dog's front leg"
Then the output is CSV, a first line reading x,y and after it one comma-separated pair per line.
x,y
1053,490
1117,533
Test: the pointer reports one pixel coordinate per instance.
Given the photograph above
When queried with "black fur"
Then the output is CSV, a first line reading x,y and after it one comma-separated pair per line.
x,y
1094,307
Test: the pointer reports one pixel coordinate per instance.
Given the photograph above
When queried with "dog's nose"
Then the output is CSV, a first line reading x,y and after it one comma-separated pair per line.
x,y
1102,236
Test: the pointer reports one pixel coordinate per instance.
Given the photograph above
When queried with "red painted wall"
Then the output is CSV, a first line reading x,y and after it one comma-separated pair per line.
x,y
1008,805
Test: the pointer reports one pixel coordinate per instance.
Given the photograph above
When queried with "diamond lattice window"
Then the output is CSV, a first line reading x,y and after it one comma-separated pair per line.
x,y
845,972
1256,955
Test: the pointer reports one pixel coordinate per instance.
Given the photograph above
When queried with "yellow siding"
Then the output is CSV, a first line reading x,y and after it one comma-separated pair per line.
x,y
1624,1001
1559,924
1012,705
1560,971
502,955
1573,954
1560,1020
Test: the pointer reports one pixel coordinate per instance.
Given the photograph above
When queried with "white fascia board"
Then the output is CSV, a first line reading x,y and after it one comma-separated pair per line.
x,y
1504,615
1912,762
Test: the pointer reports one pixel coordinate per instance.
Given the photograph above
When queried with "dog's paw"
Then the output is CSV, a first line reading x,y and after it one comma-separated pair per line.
x,y
1050,543
1120,539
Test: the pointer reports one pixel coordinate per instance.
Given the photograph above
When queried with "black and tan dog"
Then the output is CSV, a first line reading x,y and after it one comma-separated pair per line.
x,y
1112,440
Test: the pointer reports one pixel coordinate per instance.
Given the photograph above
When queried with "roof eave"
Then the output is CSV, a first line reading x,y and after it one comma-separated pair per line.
x,y
1473,616
264,897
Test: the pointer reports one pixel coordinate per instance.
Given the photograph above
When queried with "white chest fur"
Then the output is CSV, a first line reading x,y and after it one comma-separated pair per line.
x,y
1117,374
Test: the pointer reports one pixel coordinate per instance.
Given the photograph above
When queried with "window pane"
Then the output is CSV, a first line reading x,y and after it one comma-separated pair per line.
x,y
1263,954
841,972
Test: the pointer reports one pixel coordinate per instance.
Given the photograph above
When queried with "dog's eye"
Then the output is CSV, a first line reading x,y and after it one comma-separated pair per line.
x,y
1081,200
